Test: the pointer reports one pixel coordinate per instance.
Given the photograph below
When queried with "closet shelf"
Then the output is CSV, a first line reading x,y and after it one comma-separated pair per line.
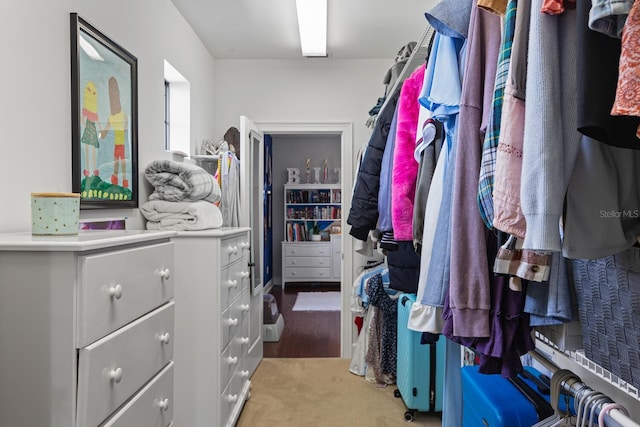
x,y
591,373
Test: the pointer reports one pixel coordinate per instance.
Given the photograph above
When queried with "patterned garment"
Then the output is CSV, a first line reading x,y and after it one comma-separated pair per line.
x,y
489,149
388,308
627,102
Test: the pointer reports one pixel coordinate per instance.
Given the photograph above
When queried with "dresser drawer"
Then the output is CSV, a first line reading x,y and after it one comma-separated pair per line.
x,y
233,248
232,357
307,273
297,261
150,407
232,395
120,286
233,317
234,279
114,367
308,250
231,322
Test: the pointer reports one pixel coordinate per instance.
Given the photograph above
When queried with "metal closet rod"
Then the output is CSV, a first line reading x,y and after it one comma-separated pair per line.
x,y
574,386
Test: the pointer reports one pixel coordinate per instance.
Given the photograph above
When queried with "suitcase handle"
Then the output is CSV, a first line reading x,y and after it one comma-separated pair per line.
x,y
540,384
541,406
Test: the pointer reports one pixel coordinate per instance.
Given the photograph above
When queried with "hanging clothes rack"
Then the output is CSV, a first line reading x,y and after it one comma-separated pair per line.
x,y
576,387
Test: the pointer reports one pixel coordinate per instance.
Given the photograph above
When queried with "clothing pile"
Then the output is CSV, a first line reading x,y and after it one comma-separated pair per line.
x,y
184,197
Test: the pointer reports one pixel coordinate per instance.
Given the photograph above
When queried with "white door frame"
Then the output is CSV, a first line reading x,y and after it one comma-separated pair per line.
x,y
345,130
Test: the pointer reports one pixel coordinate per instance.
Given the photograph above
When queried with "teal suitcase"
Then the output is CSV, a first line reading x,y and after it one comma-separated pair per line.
x,y
420,367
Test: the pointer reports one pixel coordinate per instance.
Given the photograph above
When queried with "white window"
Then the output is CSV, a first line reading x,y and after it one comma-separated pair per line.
x,y
177,91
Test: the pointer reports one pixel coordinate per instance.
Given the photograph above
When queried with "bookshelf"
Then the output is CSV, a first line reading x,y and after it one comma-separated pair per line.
x,y
312,221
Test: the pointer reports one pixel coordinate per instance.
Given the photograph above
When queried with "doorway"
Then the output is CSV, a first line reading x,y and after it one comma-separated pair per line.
x,y
345,134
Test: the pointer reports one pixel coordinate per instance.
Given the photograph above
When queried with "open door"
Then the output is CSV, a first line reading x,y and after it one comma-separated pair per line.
x,y
252,215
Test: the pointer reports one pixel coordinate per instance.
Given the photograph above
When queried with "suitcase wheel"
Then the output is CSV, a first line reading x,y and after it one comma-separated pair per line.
x,y
396,393
408,416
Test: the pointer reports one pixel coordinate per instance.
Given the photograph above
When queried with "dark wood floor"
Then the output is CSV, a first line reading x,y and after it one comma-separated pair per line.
x,y
306,333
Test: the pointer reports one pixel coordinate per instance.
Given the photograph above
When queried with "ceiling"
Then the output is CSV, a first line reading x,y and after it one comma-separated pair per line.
x,y
268,29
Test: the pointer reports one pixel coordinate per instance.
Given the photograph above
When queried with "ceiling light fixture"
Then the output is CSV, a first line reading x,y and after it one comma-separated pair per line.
x,y
312,24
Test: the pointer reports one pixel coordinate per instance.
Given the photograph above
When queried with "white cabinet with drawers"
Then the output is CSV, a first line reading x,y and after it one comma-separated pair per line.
x,y
87,329
218,326
312,261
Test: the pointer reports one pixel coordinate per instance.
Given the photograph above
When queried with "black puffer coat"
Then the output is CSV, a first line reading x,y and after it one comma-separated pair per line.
x,y
363,215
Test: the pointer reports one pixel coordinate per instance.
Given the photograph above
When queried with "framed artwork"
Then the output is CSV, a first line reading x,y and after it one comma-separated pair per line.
x,y
104,104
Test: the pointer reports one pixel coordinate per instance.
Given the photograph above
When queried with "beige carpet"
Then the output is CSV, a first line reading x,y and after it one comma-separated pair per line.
x,y
321,392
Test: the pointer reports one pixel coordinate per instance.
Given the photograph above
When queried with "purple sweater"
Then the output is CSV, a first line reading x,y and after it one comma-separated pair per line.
x,y
469,290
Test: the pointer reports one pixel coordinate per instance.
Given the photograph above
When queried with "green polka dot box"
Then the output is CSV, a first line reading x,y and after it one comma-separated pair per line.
x,y
55,213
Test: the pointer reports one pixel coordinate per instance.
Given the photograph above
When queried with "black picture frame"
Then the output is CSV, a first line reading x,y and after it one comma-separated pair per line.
x,y
104,111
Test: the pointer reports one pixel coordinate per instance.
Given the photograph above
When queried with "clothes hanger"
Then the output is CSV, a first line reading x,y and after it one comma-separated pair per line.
x,y
607,408
584,407
558,381
598,403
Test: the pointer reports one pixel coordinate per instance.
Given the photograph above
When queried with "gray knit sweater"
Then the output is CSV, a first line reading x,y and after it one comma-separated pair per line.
x,y
551,141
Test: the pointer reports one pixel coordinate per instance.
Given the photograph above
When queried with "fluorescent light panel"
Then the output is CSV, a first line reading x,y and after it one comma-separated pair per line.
x,y
312,23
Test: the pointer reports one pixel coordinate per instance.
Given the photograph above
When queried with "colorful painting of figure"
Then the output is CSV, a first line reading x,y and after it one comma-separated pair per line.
x,y
106,103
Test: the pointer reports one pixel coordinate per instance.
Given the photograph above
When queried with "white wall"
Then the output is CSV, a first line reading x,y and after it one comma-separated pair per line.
x,y
304,90
319,90
35,106
291,151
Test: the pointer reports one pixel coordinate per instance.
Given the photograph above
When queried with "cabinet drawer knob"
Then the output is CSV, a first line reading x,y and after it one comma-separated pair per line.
x,y
165,274
232,250
231,398
244,374
244,245
244,307
162,404
244,274
232,360
231,322
115,292
243,340
232,283
115,375
164,338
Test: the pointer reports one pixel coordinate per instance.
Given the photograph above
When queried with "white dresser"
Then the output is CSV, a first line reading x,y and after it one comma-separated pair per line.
x,y
218,326
86,329
312,261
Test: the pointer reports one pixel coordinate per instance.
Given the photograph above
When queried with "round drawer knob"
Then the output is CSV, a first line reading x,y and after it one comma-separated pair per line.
x,y
164,338
244,374
115,291
244,274
231,398
162,404
115,375
243,340
232,283
244,307
165,273
231,322
244,245
232,360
